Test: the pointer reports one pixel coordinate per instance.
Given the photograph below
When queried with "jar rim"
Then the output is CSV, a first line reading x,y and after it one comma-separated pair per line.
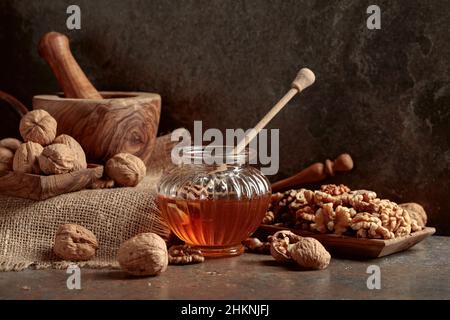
x,y
214,154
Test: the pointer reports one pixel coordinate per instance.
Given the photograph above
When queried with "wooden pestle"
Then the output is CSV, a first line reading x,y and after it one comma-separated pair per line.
x,y
104,124
54,48
316,172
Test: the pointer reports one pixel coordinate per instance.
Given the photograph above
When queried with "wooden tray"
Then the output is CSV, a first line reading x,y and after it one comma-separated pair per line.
x,y
359,248
37,187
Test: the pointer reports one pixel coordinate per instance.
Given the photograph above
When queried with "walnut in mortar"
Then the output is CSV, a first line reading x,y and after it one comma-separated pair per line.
x,y
38,126
80,158
143,255
26,158
126,169
74,242
309,253
6,159
57,159
10,143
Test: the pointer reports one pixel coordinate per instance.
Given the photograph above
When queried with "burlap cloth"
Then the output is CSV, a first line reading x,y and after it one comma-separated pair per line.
x,y
27,227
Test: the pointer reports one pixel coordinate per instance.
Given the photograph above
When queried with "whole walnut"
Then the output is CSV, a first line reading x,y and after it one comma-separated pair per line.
x,y
126,169
38,126
57,159
74,242
6,159
309,253
26,158
416,211
80,162
10,143
143,255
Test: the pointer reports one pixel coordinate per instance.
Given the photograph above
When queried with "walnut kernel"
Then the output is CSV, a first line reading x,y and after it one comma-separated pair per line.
x,y
257,246
74,242
184,254
279,244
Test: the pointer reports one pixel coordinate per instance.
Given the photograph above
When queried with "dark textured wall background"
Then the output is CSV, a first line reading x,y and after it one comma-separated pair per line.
x,y
381,95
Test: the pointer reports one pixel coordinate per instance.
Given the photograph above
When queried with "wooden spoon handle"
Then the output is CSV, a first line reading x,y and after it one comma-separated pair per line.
x,y
316,172
303,80
54,48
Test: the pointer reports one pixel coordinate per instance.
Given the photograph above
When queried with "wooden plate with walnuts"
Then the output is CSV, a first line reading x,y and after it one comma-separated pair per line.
x,y
46,164
40,187
353,223
352,247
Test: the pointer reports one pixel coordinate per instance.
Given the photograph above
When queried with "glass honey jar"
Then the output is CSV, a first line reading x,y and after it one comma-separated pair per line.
x,y
214,199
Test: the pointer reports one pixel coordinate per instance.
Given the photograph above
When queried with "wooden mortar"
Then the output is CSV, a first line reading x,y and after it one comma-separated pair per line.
x,y
104,123
121,122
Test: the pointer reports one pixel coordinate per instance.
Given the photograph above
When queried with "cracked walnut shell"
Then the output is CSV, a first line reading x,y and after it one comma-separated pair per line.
x,y
74,242
38,126
308,253
26,158
143,255
57,159
125,169
279,244
80,156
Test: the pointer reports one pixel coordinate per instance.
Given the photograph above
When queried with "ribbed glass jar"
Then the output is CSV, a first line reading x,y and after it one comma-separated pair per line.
x,y
214,199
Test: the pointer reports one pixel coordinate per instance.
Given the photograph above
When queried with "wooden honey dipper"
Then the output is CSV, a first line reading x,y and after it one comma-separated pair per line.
x,y
303,80
305,77
316,172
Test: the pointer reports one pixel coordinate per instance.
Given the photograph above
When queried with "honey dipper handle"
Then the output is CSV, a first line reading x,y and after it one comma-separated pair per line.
x,y
304,79
315,172
54,48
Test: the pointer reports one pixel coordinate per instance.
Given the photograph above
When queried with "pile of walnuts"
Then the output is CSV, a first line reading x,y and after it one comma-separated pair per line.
x,y
339,210
42,152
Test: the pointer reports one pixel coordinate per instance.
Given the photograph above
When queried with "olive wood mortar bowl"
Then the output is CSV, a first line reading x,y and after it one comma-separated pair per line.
x,y
121,122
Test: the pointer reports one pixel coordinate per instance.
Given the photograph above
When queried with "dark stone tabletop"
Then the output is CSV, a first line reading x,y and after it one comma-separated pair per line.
x,y
419,273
